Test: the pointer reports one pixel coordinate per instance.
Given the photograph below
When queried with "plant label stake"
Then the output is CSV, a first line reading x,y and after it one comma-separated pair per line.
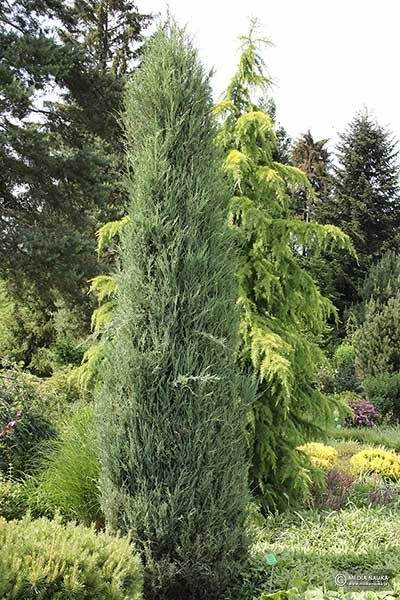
x,y
271,560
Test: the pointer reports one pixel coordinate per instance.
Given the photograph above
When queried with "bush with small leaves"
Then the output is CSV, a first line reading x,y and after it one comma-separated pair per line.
x,y
23,425
383,391
13,498
345,369
322,457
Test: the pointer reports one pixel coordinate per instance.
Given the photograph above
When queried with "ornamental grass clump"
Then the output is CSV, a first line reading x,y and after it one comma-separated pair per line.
x,y
69,471
171,414
378,461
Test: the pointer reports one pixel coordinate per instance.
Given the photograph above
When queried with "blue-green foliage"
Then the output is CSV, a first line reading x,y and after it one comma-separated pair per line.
x,y
171,418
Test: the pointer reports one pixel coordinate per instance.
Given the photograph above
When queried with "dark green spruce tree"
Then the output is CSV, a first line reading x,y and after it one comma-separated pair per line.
x,y
62,73
171,419
312,157
365,203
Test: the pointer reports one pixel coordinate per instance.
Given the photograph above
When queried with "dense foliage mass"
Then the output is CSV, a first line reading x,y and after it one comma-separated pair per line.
x,y
44,559
171,417
282,309
63,70
23,425
243,358
69,465
377,341
364,203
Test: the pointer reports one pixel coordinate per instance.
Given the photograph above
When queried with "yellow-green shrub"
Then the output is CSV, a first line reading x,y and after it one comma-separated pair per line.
x,y
377,460
47,560
322,457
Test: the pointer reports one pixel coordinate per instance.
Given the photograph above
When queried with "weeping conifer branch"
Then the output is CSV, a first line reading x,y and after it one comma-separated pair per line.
x,y
283,311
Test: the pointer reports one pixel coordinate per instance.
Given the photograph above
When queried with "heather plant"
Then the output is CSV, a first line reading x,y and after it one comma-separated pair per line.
x,y
386,496
371,489
336,492
171,411
364,414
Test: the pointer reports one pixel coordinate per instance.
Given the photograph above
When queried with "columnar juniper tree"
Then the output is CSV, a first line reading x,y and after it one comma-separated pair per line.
x,y
171,421
283,311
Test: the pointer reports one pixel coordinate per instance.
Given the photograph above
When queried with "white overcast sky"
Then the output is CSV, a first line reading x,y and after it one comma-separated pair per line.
x,y
329,59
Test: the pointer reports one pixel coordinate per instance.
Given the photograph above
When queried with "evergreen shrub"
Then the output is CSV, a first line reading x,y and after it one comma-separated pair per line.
x,y
322,456
377,341
13,498
383,391
47,560
345,369
171,417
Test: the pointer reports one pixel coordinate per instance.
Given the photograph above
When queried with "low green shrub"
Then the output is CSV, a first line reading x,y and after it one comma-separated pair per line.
x,y
384,392
46,560
13,498
23,425
67,351
344,361
69,473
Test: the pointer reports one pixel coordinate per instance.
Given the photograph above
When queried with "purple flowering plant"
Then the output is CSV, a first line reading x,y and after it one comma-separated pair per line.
x,y
364,414
386,496
337,489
